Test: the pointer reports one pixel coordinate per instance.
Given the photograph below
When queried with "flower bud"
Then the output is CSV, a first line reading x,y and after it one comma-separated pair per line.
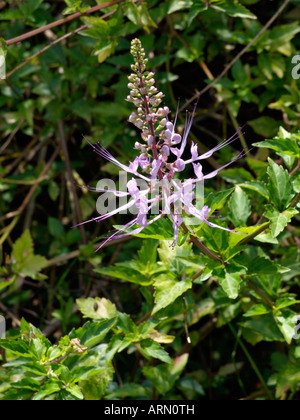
x,y
165,150
170,126
168,134
176,138
180,165
150,140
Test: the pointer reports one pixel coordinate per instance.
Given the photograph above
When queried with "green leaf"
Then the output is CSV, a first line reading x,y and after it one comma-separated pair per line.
x,y
148,252
28,7
176,5
3,48
168,289
286,323
25,263
278,220
285,144
92,333
249,233
153,349
74,6
145,16
164,377
125,273
161,230
264,266
265,126
97,28
197,7
55,227
50,387
230,279
257,186
265,326
233,9
94,386
240,207
103,53
288,378
75,391
128,390
257,310
17,347
239,73
279,186
132,12
236,175
170,257
216,200
96,308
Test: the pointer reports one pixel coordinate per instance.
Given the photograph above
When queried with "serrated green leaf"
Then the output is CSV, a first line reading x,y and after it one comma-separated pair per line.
x,y
168,289
240,207
148,252
286,323
265,126
160,230
75,391
287,378
132,12
257,186
197,7
125,273
279,221
279,186
50,387
92,333
28,7
153,349
215,201
97,308
257,310
177,5
164,377
230,279
55,227
25,263
266,326
247,233
285,144
233,9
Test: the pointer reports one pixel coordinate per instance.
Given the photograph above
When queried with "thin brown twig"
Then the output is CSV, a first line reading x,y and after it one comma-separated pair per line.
x,y
11,136
16,162
200,245
238,56
34,187
57,41
77,216
62,22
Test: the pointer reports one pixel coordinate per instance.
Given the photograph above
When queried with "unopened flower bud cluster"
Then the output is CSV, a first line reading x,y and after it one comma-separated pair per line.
x,y
150,117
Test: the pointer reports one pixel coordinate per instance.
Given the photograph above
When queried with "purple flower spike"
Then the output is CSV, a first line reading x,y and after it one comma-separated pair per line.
x,y
163,193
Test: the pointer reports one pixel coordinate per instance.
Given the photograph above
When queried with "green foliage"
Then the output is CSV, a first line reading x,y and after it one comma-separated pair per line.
x,y
141,320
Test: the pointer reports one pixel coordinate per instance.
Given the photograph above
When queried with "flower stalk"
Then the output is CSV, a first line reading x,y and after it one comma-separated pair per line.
x,y
160,162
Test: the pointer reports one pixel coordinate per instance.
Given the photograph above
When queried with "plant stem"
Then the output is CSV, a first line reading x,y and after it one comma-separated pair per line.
x,y
201,246
188,338
262,294
62,22
251,361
